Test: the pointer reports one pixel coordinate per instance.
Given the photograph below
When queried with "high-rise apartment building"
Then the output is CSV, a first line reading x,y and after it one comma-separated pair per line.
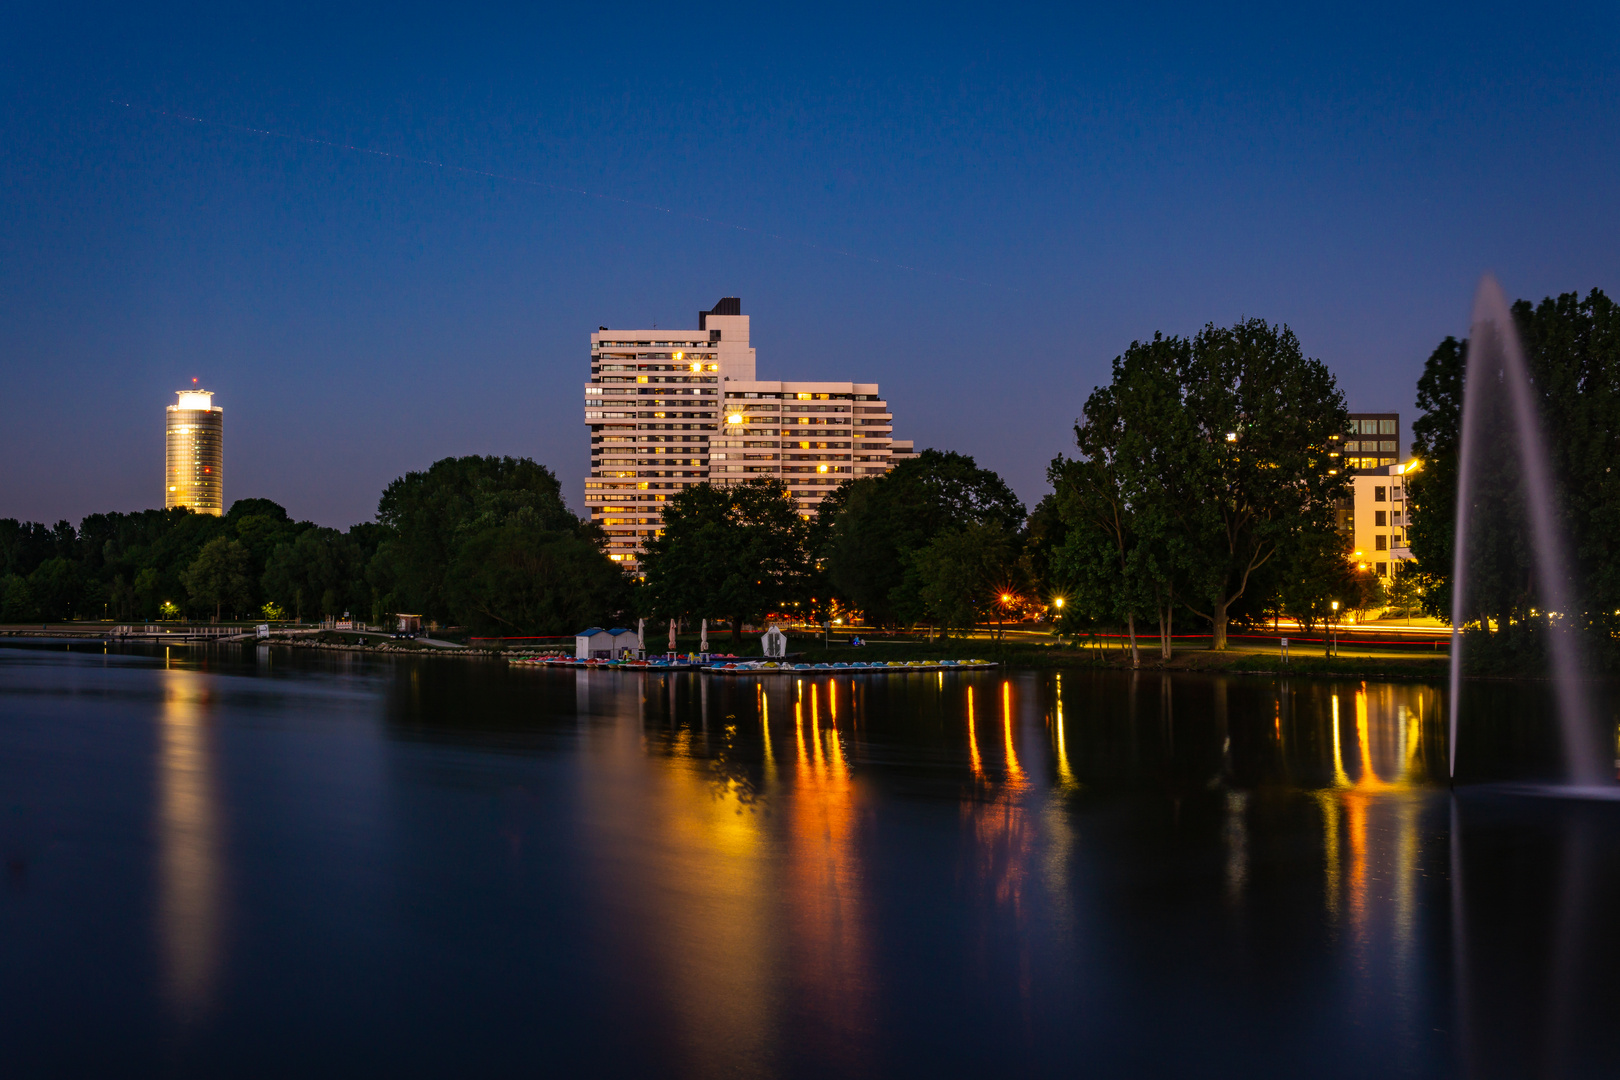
x,y
194,454
670,408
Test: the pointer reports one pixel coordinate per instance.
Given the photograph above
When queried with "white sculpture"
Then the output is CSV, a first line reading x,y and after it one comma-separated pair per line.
x,y
774,643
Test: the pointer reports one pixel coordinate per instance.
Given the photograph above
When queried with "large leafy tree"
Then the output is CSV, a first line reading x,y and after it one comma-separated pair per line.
x,y
960,575
1572,349
881,520
218,576
319,571
1201,462
426,512
1120,494
728,553
1258,418
517,576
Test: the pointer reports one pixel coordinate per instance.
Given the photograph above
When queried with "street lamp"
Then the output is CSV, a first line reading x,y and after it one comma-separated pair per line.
x,y
1332,643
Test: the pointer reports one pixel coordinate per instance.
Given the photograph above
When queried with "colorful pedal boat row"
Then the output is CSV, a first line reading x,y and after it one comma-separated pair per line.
x,y
626,665
771,667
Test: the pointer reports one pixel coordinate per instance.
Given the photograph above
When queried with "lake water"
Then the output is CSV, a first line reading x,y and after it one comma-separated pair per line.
x,y
238,862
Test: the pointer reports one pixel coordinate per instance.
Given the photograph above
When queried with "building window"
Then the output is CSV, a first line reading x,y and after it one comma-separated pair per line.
x,y
1382,568
1380,519
1386,427
1380,542
1378,493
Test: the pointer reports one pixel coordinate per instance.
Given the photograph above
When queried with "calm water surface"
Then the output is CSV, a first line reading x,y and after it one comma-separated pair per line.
x,y
239,863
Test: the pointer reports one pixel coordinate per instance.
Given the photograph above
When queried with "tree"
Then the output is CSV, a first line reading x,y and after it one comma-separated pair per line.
x,y
1119,495
219,576
1256,419
885,518
1312,573
1045,533
1572,350
962,573
425,513
320,567
55,586
1405,591
1200,462
16,602
518,577
730,553
146,589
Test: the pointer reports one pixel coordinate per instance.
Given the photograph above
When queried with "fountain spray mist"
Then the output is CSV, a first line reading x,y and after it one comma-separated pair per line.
x,y
1495,367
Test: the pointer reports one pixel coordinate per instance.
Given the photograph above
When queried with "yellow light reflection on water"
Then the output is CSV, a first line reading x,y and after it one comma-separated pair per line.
x,y
191,902
1371,843
1014,773
973,740
1065,776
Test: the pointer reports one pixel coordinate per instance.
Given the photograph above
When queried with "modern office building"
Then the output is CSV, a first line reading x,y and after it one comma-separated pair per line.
x,y
1372,443
670,408
1370,446
194,454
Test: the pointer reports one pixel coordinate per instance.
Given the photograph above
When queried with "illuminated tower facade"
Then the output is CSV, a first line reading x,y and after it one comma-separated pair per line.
x,y
194,454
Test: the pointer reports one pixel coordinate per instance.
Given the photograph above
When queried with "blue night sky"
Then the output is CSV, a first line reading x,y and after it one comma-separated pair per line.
x,y
977,207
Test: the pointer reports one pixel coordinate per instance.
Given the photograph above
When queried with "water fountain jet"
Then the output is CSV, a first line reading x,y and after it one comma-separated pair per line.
x,y
1496,377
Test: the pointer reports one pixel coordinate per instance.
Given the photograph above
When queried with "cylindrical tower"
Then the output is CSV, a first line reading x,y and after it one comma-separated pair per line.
x,y
194,454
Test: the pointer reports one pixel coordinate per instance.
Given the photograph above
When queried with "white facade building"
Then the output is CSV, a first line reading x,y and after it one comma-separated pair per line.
x,y
670,408
1378,518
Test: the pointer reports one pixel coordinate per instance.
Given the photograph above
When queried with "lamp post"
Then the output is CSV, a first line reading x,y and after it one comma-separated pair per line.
x,y
1332,635
1058,621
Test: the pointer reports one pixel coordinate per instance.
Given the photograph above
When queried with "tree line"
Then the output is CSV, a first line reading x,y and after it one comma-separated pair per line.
x,y
482,542
1202,485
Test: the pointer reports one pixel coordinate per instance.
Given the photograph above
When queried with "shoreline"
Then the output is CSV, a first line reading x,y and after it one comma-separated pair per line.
x,y
1384,667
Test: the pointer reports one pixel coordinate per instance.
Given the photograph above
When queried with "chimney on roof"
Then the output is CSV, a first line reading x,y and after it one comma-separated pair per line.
x,y
728,305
